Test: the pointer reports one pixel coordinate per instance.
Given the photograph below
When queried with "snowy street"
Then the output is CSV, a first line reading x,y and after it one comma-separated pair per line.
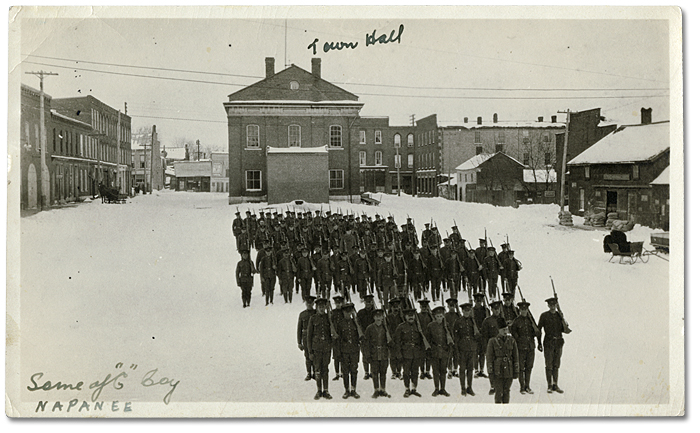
x,y
151,283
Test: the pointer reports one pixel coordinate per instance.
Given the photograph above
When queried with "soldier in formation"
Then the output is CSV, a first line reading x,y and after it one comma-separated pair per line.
x,y
503,362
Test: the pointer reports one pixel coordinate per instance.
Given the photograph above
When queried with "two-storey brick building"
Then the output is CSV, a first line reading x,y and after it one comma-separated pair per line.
x,y
30,146
616,174
294,135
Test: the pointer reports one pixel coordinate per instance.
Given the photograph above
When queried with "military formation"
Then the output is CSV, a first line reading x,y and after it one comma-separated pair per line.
x,y
391,270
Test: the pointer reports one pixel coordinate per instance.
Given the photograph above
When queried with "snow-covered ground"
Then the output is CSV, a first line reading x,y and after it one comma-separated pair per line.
x,y
150,284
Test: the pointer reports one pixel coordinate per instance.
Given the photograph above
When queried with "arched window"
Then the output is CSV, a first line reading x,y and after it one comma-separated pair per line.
x,y
363,158
397,140
336,136
294,134
409,139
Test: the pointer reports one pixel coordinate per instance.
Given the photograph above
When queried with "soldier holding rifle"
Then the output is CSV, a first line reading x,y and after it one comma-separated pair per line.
x,y
302,329
466,333
554,325
349,336
439,340
425,317
319,336
489,330
365,317
525,330
378,339
481,312
411,342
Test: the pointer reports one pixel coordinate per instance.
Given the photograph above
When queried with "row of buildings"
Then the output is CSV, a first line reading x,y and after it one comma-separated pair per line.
x,y
294,135
87,143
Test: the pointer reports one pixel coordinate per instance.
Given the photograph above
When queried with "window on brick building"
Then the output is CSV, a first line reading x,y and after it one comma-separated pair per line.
x,y
478,150
499,147
397,140
410,160
60,137
409,140
335,179
37,139
377,137
378,157
526,137
253,180
363,137
363,158
501,137
477,137
547,158
545,137
54,139
294,135
526,158
587,172
635,172
253,136
336,137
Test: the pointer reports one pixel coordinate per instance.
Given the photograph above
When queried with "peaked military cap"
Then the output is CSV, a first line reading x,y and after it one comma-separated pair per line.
x,y
329,213
310,299
409,311
378,312
507,295
455,228
482,241
394,300
466,305
495,304
238,213
321,300
452,301
478,296
501,322
551,300
504,245
427,225
244,250
368,297
338,298
247,212
348,306
424,301
511,252
523,304
439,310
490,249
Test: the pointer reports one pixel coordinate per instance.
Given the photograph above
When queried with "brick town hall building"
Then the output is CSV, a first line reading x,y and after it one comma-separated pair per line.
x,y
295,136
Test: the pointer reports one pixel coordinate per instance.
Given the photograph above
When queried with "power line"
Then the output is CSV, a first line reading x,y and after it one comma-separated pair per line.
x,y
524,89
342,92
178,118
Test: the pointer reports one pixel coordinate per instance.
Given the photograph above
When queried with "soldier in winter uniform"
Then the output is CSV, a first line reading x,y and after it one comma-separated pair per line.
x,y
439,338
524,331
325,275
492,268
393,319
503,362
416,274
349,339
285,272
472,269
319,337
489,329
302,329
450,318
466,334
362,270
480,253
244,276
503,259
409,340
481,312
268,271
425,316
336,315
304,272
365,318
553,325
378,340
435,273
514,266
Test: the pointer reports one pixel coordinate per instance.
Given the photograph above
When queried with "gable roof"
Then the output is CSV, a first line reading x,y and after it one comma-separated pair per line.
x,y
277,88
539,176
664,178
628,144
477,160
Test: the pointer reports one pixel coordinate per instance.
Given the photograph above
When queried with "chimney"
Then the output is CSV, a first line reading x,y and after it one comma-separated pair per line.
x,y
554,119
269,67
478,120
316,67
495,117
466,120
646,116
540,119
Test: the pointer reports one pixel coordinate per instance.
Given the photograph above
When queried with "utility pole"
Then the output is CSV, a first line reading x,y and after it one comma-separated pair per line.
x,y
412,119
44,167
119,139
197,150
154,140
397,162
564,216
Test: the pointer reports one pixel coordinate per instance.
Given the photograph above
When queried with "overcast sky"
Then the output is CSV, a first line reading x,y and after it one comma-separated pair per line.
x,y
455,67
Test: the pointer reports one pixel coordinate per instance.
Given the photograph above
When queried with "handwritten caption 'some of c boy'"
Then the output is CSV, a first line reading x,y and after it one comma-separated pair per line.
x,y
116,381
370,40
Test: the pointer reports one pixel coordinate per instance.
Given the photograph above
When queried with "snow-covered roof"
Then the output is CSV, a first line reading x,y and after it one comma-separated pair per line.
x,y
175,153
540,176
192,168
293,102
664,178
170,170
475,161
451,181
473,125
70,119
322,149
629,144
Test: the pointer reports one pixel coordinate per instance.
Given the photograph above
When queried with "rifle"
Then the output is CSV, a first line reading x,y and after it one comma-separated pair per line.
x,y
454,248
334,334
420,327
385,316
450,341
354,318
567,330
536,328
